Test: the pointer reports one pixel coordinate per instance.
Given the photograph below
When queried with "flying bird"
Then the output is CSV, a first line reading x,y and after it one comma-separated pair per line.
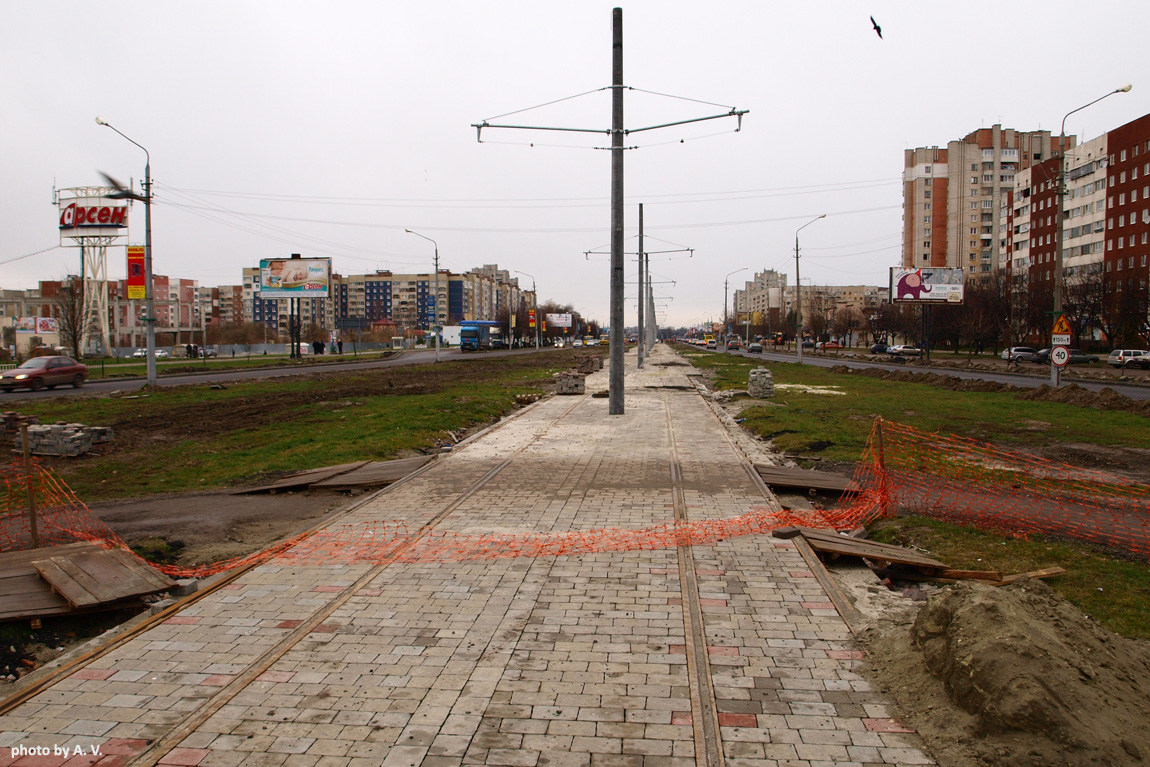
x,y
122,192
877,28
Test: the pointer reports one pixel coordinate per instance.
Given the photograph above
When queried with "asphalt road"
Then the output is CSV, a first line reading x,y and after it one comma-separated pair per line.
x,y
106,386
1133,391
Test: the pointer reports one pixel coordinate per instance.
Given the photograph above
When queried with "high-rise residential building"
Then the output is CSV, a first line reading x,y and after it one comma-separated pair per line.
x,y
952,197
761,299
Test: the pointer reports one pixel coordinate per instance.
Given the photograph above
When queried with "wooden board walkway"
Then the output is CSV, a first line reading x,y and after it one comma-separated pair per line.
x,y
74,577
375,474
804,479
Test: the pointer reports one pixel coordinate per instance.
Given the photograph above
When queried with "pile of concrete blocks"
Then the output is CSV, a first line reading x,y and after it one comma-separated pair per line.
x,y
761,384
570,382
63,439
588,365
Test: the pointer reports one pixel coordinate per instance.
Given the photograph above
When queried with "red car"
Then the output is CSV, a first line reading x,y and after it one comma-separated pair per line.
x,y
45,372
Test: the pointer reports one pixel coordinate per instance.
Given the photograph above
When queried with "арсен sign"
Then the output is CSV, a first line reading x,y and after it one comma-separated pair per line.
x,y
73,216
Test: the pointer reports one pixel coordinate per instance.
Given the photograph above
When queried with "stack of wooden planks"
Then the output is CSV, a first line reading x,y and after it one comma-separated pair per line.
x,y
899,563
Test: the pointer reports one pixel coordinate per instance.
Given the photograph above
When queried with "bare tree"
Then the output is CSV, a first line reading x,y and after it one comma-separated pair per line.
x,y
69,311
846,321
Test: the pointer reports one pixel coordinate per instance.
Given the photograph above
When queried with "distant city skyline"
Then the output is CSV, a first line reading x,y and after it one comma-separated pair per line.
x,y
330,130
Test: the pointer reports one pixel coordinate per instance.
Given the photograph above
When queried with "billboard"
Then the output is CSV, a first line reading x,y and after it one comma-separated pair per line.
x,y
927,285
83,214
559,320
295,277
38,325
136,272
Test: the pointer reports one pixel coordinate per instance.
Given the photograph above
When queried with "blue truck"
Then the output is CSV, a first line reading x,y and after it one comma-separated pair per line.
x,y
478,335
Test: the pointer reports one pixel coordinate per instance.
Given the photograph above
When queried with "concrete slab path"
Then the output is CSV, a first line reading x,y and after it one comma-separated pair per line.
x,y
435,625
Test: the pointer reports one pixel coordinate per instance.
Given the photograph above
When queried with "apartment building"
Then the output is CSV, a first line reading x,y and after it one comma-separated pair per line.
x,y
953,197
761,299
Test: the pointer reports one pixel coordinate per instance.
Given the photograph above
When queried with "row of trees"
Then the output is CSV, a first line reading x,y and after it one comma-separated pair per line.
x,y
1104,311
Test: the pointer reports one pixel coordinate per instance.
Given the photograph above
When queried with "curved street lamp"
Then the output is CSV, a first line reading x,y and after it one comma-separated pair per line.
x,y
435,299
799,291
1059,217
726,320
146,198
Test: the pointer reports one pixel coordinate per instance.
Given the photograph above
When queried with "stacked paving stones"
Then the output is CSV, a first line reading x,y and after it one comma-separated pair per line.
x,y
761,384
588,365
63,439
11,421
570,382
579,660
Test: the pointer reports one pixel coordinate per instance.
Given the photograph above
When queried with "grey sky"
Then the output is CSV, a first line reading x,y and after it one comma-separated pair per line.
x,y
329,128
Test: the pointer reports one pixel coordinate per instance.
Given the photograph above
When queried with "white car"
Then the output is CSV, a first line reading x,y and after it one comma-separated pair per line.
x,y
1129,358
1018,351
577,342
904,350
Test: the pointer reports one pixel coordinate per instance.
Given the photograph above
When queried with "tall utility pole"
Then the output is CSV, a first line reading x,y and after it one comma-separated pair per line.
x,y
799,291
642,289
615,379
726,320
617,133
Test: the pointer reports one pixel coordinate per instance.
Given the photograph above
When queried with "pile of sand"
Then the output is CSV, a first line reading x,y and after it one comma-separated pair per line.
x,y
1017,677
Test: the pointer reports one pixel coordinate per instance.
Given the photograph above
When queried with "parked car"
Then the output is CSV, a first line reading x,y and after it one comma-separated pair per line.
x,y
904,350
828,345
1129,358
755,348
45,372
1077,357
1015,351
162,354
205,353
140,354
808,344
879,348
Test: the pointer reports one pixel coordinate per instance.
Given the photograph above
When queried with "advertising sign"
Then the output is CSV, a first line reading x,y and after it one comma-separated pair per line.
x,y
530,318
136,285
37,325
83,216
295,277
927,285
559,320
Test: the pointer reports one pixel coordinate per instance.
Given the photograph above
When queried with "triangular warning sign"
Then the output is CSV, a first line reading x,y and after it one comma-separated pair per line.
x,y
1062,325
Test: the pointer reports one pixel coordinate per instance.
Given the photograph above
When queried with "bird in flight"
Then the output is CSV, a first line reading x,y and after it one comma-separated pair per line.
x,y
877,28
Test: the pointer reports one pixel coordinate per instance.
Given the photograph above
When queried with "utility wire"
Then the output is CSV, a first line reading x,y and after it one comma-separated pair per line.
x,y
38,252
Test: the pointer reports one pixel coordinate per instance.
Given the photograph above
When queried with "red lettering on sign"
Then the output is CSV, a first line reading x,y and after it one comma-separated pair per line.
x,y
105,215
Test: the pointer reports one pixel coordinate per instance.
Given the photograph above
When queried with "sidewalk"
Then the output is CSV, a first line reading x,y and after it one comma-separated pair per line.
x,y
434,625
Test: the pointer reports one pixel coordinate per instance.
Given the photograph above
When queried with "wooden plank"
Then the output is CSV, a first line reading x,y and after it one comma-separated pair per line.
x,y
12,559
375,474
154,577
119,580
98,590
972,575
1047,572
786,533
843,605
29,596
833,543
303,478
779,476
66,586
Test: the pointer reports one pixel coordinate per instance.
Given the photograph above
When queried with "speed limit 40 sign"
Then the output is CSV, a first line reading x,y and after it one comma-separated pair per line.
x,y
1059,355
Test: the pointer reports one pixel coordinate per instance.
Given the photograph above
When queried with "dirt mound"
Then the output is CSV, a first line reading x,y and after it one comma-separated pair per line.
x,y
1073,394
1105,399
1043,684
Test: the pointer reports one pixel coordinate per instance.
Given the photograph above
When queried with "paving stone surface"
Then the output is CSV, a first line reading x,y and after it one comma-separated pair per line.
x,y
370,648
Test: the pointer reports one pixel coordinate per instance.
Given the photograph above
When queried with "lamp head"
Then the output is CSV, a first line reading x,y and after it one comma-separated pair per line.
x,y
101,120
409,231
1125,88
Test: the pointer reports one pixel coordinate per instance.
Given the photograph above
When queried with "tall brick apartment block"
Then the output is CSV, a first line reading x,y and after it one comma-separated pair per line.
x,y
952,197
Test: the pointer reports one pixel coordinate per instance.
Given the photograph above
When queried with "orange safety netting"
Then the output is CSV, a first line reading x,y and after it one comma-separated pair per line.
x,y
903,470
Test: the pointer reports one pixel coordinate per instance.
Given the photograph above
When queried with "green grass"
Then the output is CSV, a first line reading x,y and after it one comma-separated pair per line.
x,y
187,438
836,427
1115,592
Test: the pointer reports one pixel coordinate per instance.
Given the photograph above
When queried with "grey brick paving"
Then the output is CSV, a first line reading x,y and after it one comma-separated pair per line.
x,y
560,660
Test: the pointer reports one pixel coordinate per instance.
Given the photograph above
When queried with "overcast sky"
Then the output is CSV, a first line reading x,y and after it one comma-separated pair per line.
x,y
328,128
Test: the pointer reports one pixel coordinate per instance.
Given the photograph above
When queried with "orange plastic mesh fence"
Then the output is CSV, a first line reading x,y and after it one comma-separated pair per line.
x,y
903,470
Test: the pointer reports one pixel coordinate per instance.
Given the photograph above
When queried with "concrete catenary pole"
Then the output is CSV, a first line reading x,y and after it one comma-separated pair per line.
x,y
615,381
642,291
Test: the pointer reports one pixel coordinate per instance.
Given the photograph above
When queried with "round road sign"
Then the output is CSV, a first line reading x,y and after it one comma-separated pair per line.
x,y
1059,356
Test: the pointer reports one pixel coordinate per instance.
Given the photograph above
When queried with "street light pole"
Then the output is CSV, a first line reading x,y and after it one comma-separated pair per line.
x,y
435,298
726,321
799,291
1059,216
149,302
534,305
